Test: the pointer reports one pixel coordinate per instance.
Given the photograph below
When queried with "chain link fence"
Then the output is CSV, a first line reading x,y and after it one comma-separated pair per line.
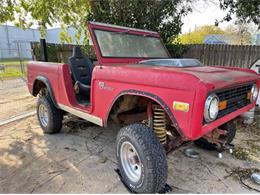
x,y
14,97
13,61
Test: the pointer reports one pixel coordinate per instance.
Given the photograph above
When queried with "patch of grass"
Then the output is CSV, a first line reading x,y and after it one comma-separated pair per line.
x,y
13,62
241,153
248,148
252,128
253,145
247,154
11,73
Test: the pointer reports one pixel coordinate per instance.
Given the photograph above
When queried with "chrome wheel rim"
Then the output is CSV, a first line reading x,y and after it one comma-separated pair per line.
x,y
43,115
130,161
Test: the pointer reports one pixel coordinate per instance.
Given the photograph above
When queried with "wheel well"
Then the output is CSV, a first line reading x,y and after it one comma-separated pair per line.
x,y
129,109
132,108
43,83
128,104
38,85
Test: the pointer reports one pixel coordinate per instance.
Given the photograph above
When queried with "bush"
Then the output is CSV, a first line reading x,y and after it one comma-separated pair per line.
x,y
177,50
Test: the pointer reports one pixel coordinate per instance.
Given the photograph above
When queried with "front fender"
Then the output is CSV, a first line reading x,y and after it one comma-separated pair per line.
x,y
151,96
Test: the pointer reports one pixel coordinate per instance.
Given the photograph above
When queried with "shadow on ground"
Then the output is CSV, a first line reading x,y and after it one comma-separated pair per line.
x,y
81,159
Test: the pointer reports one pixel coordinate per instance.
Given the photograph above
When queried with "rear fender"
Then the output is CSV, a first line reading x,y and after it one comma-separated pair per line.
x,y
47,83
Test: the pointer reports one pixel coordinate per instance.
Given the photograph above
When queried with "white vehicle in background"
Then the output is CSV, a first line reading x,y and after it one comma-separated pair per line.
x,y
256,68
250,115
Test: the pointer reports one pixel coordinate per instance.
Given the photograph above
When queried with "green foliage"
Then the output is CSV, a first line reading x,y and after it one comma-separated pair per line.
x,y
6,11
244,10
177,49
25,13
52,52
163,16
197,36
237,34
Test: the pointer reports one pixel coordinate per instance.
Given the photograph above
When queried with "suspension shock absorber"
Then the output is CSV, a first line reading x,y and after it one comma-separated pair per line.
x,y
159,123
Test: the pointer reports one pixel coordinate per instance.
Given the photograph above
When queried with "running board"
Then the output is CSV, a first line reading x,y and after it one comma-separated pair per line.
x,y
83,115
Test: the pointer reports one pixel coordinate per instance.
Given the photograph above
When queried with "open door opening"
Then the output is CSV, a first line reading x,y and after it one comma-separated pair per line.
x,y
81,69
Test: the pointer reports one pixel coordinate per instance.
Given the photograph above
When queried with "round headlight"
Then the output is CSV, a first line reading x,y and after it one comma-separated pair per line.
x,y
254,93
211,108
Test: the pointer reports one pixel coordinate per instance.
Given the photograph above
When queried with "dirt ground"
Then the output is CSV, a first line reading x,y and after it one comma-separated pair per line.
x,y
81,159
14,98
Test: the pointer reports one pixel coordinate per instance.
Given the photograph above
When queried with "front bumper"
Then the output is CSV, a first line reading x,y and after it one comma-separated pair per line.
x,y
211,126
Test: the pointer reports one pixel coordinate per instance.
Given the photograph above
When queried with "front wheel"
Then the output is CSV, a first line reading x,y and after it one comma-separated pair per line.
x,y
141,158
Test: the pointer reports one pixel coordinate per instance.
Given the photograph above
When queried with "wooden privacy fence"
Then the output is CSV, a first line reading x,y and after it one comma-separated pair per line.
x,y
224,55
212,55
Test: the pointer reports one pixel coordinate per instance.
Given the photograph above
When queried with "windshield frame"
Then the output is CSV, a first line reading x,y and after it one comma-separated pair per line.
x,y
130,32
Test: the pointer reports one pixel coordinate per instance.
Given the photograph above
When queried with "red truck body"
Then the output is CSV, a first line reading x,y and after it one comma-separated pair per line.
x,y
114,77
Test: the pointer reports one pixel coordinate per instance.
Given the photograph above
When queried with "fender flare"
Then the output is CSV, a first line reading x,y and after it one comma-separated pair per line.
x,y
47,83
151,96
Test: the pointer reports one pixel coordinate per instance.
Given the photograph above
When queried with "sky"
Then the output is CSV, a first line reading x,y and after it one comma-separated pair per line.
x,y
205,12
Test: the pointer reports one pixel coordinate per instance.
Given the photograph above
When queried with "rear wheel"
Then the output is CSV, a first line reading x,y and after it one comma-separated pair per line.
x,y
49,117
141,158
230,127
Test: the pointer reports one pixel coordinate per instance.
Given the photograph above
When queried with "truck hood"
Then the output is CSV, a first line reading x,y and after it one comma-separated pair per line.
x,y
176,78
218,77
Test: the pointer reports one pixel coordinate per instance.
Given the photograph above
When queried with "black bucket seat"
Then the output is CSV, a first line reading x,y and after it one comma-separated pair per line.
x,y
81,69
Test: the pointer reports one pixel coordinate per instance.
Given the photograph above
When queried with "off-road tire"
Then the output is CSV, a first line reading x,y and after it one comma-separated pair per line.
x,y
229,126
152,157
55,115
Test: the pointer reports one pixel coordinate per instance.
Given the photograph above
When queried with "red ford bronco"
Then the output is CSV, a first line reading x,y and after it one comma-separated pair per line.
x,y
160,102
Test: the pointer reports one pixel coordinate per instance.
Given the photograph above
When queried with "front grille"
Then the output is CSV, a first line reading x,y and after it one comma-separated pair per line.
x,y
236,98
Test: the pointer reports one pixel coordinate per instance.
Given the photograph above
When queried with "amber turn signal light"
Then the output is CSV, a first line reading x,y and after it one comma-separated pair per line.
x,y
181,106
249,95
222,105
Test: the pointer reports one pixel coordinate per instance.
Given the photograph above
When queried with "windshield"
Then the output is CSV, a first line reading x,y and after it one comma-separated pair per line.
x,y
123,45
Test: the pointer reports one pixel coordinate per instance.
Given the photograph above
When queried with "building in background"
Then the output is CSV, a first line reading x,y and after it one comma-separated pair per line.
x,y
257,39
53,36
230,39
219,39
15,42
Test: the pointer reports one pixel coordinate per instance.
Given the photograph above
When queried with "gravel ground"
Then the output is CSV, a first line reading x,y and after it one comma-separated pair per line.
x,y
81,159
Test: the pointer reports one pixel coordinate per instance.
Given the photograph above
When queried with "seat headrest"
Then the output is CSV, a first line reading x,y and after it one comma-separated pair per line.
x,y
77,52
